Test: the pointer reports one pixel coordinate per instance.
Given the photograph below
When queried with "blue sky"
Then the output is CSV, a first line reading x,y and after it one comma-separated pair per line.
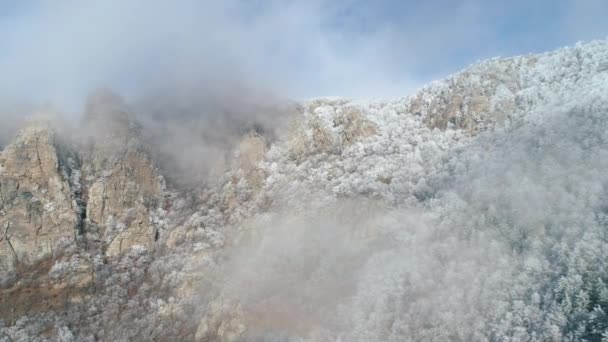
x,y
59,50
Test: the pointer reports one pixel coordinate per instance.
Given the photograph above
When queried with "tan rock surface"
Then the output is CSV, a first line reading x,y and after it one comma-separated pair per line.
x,y
123,183
472,100
36,208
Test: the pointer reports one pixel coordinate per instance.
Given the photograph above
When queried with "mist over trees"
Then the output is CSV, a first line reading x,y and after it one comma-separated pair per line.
x,y
473,210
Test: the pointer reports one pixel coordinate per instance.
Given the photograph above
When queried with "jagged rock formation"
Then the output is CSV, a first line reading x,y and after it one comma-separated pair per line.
x,y
359,221
327,126
504,91
63,205
48,195
121,184
39,214
37,210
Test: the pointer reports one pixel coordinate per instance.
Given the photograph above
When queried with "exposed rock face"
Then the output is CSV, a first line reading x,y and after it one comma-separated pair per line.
x,y
68,207
49,194
248,178
504,91
36,205
233,264
472,100
123,186
328,126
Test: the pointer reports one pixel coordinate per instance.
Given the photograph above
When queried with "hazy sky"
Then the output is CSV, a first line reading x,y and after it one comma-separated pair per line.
x,y
58,50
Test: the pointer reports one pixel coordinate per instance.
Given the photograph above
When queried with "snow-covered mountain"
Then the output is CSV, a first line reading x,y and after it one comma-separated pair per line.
x,y
473,210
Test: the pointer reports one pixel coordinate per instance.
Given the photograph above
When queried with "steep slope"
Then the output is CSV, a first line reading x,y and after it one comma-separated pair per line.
x,y
399,153
68,208
37,207
121,184
507,91
473,210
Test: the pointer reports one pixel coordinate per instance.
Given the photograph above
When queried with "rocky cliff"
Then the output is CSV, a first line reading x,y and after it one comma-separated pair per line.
x,y
121,185
38,211
471,210
70,204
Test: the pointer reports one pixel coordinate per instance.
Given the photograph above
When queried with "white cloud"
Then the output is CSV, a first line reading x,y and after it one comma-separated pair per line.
x,y
60,50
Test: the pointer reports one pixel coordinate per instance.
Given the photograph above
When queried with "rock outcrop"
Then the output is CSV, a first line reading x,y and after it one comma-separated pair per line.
x,y
504,91
122,185
473,100
37,209
70,206
302,233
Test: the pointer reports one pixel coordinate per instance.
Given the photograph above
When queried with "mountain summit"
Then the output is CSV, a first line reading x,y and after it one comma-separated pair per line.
x,y
472,210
